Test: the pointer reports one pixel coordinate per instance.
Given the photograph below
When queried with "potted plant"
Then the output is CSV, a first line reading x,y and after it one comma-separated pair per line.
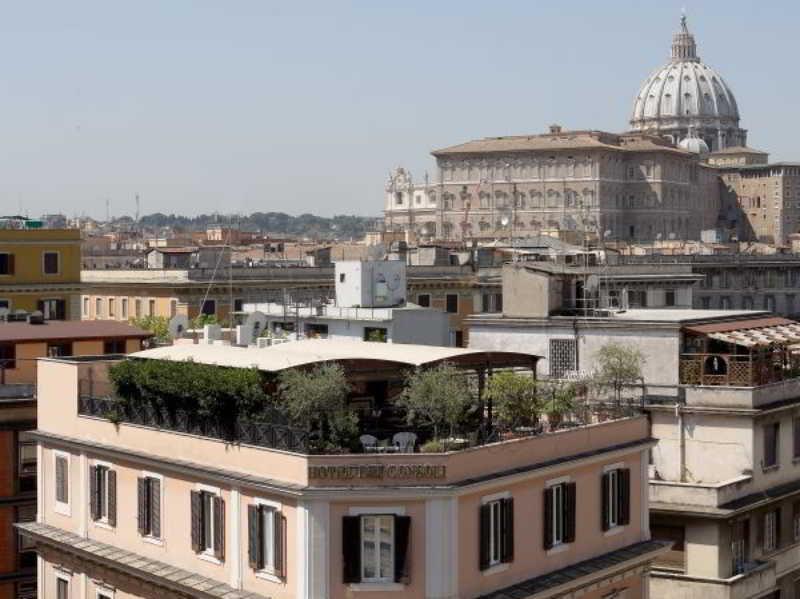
x,y
558,399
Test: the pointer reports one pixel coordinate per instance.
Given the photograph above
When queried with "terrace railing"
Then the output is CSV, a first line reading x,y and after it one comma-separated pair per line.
x,y
268,434
731,370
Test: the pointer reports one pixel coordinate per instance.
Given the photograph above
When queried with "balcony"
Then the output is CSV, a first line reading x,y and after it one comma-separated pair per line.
x,y
759,579
732,370
699,495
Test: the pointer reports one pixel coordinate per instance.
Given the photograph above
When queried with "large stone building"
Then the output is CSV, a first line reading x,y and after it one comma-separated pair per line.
x,y
683,168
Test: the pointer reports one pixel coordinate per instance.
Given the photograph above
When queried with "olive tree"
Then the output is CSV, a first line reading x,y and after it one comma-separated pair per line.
x,y
316,400
515,399
439,397
618,366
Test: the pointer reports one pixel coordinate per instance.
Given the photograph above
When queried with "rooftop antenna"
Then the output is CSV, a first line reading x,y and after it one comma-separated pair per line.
x,y
108,209
136,218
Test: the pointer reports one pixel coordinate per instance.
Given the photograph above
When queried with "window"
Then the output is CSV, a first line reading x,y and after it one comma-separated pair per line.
x,y
316,331
52,309
59,350
451,301
496,532
26,468
62,586
208,523
615,488
50,263
266,527
375,548
62,482
209,307
771,532
796,521
26,590
105,594
114,346
26,547
740,545
86,307
559,515
124,308
98,308
111,308
669,297
341,277
562,357
149,506
103,494
151,308
796,439
6,264
771,436
8,356
238,306
137,307
705,302
424,300
637,298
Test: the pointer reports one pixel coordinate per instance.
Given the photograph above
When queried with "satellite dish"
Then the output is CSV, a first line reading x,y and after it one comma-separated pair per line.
x,y
376,252
178,325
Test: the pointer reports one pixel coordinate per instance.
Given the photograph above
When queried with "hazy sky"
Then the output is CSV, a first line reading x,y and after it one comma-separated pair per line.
x,y
237,106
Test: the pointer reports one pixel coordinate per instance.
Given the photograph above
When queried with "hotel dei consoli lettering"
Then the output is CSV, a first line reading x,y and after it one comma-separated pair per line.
x,y
378,472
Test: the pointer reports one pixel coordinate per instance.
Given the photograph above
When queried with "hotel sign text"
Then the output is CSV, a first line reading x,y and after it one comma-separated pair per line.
x,y
379,472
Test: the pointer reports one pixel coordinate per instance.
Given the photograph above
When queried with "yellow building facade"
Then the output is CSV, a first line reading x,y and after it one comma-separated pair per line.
x,y
41,270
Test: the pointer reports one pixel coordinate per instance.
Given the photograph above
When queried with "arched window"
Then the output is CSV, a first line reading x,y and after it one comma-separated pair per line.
x,y
666,104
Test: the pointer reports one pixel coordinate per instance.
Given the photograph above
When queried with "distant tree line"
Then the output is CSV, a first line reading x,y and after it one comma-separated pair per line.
x,y
340,226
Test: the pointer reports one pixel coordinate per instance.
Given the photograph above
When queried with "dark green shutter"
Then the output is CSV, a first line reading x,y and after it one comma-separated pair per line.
x,y
94,498
402,538
351,548
219,528
154,514
279,525
111,494
485,531
624,487
507,530
254,553
605,508
62,493
196,519
569,512
141,506
548,518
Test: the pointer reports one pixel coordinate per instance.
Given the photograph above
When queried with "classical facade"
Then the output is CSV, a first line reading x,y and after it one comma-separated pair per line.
x,y
574,184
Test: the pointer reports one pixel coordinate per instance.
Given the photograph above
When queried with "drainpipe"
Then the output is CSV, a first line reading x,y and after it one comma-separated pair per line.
x,y
682,441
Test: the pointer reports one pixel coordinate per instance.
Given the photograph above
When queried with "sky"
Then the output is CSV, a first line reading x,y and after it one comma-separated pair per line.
x,y
236,106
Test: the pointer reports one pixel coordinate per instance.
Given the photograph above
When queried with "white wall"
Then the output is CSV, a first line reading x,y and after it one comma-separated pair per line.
x,y
373,284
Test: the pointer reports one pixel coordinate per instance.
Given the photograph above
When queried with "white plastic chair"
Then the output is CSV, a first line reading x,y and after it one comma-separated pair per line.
x,y
404,442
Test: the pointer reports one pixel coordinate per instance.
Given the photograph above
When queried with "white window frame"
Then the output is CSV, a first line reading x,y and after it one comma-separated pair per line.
x,y
149,538
112,307
58,259
770,531
613,496
558,509
268,571
103,592
207,552
108,467
66,577
85,305
98,307
123,308
378,579
378,585
61,507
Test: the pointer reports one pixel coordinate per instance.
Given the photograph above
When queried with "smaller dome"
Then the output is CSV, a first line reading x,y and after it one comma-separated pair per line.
x,y
694,144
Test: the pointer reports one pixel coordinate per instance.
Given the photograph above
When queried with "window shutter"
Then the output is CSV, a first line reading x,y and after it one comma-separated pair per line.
x,y
569,512
61,478
548,518
155,507
507,518
61,309
112,497
280,543
141,513
605,508
402,538
219,528
485,524
254,553
624,496
778,511
197,514
11,264
40,306
351,548
94,503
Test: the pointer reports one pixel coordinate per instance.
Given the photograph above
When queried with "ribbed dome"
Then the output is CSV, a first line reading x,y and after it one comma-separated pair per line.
x,y
694,144
685,93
